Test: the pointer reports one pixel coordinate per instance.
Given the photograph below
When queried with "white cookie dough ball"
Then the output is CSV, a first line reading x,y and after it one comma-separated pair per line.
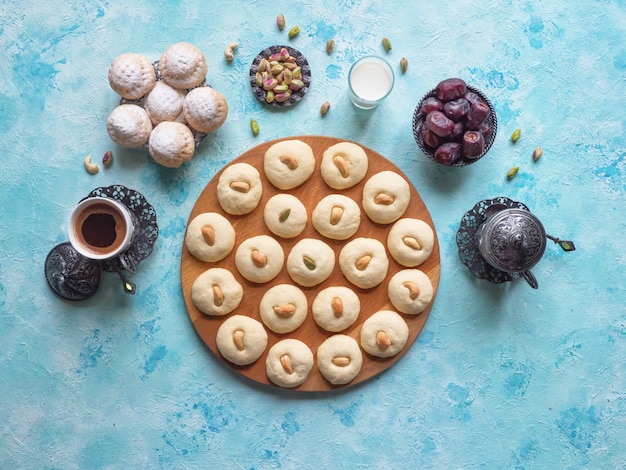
x,y
410,241
410,291
171,144
386,196
339,359
363,261
259,259
241,340
288,363
384,334
131,75
210,237
337,217
289,163
129,125
183,65
283,308
285,215
344,165
216,292
164,103
239,189
310,262
336,308
205,109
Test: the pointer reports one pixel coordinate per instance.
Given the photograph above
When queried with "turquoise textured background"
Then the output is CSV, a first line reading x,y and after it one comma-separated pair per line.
x,y
502,376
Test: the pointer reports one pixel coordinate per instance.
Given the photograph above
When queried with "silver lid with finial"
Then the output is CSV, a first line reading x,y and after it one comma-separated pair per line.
x,y
512,240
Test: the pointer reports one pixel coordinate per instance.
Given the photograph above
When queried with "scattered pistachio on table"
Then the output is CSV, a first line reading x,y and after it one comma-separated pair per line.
x,y
324,109
386,44
404,63
293,32
107,158
537,153
254,125
516,135
512,172
330,45
280,21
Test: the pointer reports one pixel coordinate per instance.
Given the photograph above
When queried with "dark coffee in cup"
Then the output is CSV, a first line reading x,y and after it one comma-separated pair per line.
x,y
100,228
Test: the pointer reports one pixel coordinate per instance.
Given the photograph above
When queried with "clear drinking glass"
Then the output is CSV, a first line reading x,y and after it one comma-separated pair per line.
x,y
370,81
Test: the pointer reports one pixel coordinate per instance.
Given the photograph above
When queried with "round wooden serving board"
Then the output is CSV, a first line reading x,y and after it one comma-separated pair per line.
x,y
246,226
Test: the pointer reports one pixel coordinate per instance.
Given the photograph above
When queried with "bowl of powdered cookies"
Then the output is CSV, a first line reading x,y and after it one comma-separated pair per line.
x,y
165,105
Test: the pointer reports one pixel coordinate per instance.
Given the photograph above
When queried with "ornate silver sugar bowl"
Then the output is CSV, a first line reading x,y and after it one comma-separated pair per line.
x,y
501,240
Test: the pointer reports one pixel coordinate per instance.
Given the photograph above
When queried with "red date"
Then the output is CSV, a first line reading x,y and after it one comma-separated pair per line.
x,y
438,123
473,144
431,104
476,115
456,109
448,153
451,89
430,139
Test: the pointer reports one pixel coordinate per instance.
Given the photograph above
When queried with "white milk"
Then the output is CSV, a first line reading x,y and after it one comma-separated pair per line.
x,y
370,79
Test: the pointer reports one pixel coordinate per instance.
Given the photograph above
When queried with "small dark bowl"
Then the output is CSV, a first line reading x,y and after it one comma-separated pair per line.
x,y
296,96
418,118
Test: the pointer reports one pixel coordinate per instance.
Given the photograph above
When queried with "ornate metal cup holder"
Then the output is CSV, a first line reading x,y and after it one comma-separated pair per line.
x,y
75,277
468,242
467,239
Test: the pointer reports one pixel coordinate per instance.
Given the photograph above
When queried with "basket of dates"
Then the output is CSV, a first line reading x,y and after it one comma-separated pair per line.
x,y
454,124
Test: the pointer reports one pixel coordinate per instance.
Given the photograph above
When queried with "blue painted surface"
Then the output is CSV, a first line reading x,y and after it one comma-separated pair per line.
x,y
501,377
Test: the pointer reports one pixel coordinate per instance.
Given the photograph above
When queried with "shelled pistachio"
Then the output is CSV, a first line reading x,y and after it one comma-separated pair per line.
x,y
330,45
386,44
512,172
254,125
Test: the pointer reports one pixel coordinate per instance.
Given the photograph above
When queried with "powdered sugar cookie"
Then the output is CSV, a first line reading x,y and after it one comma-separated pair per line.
x,y
289,163
183,65
283,308
288,363
386,197
210,237
239,189
171,144
216,292
205,109
363,261
131,76
384,334
336,216
339,359
310,262
336,308
285,215
410,241
241,340
164,103
344,165
259,259
129,125
410,291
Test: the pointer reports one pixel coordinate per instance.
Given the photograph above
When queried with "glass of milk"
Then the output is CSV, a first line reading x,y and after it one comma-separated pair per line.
x,y
370,80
